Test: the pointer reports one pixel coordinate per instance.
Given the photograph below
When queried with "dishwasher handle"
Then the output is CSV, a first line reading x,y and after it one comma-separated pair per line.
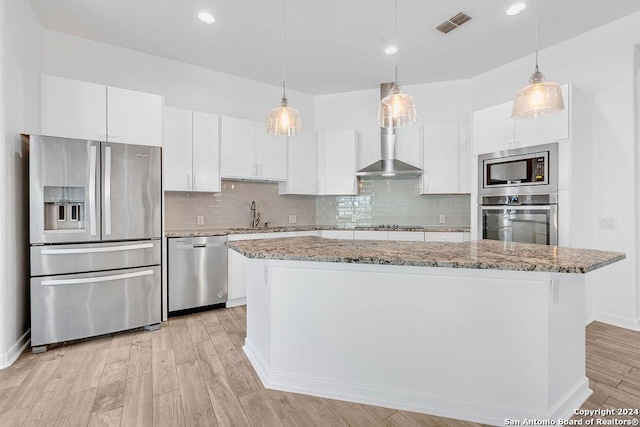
x,y
201,245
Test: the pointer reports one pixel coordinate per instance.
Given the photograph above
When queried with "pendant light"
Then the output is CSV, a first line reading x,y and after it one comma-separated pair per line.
x,y
284,120
396,109
540,97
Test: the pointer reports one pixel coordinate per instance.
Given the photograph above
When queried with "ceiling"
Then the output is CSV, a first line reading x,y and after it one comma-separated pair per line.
x,y
332,46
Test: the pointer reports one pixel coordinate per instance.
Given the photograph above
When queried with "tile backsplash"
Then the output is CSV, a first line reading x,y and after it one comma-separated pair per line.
x,y
231,207
394,201
380,201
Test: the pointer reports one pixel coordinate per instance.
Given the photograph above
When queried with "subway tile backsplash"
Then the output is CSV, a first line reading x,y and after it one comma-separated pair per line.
x,y
380,201
393,201
231,207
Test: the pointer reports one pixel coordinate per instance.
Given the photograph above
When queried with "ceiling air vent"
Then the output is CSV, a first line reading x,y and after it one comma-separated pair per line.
x,y
454,22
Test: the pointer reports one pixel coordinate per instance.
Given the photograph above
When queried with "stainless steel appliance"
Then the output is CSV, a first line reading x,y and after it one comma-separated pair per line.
x,y
197,272
529,170
95,228
518,195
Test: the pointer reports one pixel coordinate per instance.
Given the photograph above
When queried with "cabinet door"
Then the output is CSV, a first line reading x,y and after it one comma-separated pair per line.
x,y
545,129
302,164
368,147
464,157
237,139
177,149
441,158
271,154
337,162
206,152
134,117
493,129
370,235
409,144
73,109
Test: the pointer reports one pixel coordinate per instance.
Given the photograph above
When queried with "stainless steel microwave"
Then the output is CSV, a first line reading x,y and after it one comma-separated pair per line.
x,y
529,170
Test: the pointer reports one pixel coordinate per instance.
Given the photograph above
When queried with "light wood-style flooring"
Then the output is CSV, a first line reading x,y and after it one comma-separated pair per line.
x,y
193,372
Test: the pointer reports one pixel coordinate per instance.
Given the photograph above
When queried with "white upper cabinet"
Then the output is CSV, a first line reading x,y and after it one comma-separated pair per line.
x,y
302,165
191,151
237,139
177,152
337,162
76,109
134,117
447,158
543,130
206,152
495,130
73,109
249,152
271,154
441,158
409,144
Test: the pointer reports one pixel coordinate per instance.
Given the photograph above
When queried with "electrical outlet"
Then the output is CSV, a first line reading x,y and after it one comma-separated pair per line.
x,y
608,223
200,219
443,219
354,218
293,219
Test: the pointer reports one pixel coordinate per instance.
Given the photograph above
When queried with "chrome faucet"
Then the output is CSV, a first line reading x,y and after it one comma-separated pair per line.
x,y
255,216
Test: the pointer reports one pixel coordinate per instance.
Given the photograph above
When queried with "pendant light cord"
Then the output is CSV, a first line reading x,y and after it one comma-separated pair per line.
x,y
284,71
535,23
395,29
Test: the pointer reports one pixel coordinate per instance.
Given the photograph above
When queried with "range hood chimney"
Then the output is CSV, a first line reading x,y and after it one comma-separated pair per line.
x,y
388,165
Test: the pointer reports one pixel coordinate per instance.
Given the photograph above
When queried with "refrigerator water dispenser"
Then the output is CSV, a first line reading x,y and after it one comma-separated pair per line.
x,y
64,208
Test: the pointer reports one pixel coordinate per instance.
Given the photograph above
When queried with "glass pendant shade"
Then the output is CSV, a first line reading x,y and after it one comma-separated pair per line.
x,y
284,120
396,109
537,99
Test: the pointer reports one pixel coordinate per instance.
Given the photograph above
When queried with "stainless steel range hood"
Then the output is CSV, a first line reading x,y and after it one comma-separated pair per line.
x,y
388,165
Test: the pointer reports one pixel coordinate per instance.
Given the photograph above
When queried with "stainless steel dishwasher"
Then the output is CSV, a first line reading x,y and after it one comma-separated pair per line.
x,y
197,272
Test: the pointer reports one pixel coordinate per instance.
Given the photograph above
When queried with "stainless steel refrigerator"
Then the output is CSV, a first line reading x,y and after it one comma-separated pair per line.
x,y
95,229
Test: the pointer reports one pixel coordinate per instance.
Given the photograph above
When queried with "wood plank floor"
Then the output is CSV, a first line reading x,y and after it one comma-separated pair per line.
x,y
193,372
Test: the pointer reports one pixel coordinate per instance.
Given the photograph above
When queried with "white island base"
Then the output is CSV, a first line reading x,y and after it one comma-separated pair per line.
x,y
471,344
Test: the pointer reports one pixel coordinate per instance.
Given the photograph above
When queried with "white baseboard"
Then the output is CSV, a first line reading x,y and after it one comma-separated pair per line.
x,y
11,355
235,302
426,403
612,319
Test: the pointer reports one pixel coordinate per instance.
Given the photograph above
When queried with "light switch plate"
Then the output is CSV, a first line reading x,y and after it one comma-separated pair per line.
x,y
610,223
443,219
293,219
200,219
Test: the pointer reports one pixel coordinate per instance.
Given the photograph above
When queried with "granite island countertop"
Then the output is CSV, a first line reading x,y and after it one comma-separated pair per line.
x,y
284,229
480,254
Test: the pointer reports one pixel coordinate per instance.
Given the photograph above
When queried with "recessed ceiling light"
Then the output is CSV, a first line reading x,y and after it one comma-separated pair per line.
x,y
516,8
207,18
391,50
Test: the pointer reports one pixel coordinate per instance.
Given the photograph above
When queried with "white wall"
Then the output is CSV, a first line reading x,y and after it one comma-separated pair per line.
x,y
20,52
182,85
601,64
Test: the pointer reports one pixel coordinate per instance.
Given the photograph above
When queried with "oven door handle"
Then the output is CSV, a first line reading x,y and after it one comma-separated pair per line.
x,y
517,207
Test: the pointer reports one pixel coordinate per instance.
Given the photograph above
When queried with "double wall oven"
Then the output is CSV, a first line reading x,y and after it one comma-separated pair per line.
x,y
518,195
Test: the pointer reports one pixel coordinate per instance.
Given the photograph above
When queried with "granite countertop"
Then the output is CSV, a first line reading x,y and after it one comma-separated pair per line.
x,y
481,254
248,230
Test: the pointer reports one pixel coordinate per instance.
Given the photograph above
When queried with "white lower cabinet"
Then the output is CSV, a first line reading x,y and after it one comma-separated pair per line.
x,y
237,267
407,236
370,235
337,234
446,236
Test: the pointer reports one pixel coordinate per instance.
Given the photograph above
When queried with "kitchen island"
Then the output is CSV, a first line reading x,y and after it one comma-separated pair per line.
x,y
483,331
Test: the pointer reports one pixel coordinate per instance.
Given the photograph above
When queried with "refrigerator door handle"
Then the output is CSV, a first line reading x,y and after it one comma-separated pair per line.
x,y
58,282
96,250
92,190
107,191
